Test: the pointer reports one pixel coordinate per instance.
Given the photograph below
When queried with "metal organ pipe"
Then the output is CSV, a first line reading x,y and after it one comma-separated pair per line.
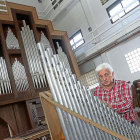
x,y
33,57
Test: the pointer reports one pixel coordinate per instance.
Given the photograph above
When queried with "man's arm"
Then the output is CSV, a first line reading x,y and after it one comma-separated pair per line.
x,y
126,100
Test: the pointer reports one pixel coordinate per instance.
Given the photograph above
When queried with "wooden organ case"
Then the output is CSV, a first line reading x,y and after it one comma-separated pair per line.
x,y
20,108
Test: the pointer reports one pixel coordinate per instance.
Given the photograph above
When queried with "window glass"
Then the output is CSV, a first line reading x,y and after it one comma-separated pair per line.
x,y
115,10
54,3
89,80
76,40
79,43
126,2
133,60
119,5
71,42
77,37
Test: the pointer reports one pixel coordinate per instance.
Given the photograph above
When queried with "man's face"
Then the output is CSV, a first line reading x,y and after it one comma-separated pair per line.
x,y
106,77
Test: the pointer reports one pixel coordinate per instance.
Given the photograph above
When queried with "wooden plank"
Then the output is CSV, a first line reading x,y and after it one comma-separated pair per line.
x,y
32,136
6,97
2,2
51,118
56,37
3,7
60,33
7,114
37,135
7,22
21,116
50,101
14,51
41,89
16,100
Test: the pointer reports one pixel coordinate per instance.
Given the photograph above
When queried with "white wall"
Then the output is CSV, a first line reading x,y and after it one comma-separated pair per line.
x,y
98,11
118,62
87,67
72,20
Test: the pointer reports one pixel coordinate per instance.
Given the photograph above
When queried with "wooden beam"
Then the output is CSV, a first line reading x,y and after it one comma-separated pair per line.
x,y
49,99
51,118
32,136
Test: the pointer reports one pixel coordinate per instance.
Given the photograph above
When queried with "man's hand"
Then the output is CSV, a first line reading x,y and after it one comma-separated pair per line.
x,y
107,104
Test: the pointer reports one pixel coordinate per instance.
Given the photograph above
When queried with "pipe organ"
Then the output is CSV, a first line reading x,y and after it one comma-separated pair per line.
x,y
22,75
67,92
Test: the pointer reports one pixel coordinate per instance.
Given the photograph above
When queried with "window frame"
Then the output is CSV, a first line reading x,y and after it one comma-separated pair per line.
x,y
72,38
56,3
108,9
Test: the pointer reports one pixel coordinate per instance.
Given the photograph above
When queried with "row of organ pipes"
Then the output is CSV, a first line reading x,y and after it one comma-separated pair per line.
x,y
20,77
33,58
69,92
5,86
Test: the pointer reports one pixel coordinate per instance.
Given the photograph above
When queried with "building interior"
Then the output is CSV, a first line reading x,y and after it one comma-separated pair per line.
x,y
79,33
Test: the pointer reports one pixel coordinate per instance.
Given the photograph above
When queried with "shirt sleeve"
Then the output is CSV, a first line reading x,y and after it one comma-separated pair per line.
x,y
125,103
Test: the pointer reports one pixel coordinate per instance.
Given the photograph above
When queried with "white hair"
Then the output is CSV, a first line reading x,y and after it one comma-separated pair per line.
x,y
104,66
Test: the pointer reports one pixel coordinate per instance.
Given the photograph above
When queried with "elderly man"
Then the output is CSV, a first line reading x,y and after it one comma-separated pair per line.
x,y
115,94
